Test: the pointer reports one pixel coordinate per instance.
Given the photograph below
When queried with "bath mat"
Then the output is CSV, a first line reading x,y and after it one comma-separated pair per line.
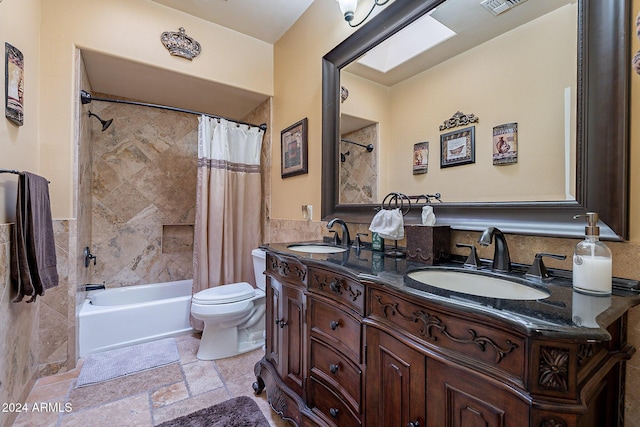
x,y
241,411
107,365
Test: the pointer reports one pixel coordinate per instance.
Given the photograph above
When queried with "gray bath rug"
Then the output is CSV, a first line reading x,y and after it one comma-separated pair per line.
x,y
100,367
241,411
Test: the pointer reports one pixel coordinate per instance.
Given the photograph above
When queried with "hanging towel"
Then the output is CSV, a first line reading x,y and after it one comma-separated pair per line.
x,y
389,224
33,251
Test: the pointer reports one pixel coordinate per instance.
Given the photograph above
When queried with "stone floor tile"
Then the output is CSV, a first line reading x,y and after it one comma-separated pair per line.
x,y
201,377
53,391
132,411
188,348
109,391
188,406
37,419
169,394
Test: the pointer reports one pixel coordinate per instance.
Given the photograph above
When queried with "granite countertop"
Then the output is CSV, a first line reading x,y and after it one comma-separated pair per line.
x,y
565,313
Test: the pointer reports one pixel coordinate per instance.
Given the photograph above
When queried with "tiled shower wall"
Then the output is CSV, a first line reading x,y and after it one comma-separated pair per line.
x,y
359,171
144,193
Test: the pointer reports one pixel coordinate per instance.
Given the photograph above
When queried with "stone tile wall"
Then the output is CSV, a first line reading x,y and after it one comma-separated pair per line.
x,y
19,334
359,171
144,193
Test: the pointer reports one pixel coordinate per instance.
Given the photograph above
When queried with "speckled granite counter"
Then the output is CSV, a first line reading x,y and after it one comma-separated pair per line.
x,y
565,313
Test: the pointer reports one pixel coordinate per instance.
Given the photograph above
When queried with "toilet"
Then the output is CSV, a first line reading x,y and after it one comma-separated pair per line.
x,y
233,315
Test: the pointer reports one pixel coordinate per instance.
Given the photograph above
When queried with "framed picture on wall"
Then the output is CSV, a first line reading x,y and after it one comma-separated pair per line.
x,y
294,149
420,158
505,144
14,84
458,147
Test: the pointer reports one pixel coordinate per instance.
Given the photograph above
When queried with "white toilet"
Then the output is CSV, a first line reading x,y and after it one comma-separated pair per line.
x,y
233,315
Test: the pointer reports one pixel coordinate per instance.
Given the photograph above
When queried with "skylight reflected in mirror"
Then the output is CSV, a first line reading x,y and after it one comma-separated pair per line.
x,y
417,38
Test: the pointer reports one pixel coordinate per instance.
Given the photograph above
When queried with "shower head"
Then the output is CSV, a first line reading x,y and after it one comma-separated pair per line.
x,y
105,123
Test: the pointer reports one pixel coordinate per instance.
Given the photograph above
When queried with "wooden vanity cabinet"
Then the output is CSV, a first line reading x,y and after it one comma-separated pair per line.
x,y
282,371
342,352
335,304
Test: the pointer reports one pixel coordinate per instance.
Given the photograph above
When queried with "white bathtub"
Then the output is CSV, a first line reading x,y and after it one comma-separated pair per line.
x,y
129,315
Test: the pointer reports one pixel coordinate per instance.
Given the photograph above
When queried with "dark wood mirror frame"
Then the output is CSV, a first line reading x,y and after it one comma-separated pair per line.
x,y
603,74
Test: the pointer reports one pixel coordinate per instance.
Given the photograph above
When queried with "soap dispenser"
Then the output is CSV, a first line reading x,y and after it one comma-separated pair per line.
x,y
592,260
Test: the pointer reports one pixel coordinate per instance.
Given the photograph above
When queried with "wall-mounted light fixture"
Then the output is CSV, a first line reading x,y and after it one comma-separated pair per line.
x,y
348,8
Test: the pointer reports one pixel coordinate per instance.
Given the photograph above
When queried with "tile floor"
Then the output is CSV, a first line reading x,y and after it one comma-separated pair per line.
x,y
147,398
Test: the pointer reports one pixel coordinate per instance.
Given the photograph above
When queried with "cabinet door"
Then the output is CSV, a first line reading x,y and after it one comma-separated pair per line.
x,y
273,314
395,382
291,325
459,398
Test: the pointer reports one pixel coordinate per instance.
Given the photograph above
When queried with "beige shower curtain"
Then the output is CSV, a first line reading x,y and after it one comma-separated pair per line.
x,y
228,202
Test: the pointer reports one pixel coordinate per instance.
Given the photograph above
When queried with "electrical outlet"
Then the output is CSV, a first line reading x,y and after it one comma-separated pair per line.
x,y
309,212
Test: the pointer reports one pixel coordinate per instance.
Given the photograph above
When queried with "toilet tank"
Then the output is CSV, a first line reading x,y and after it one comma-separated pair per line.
x,y
259,266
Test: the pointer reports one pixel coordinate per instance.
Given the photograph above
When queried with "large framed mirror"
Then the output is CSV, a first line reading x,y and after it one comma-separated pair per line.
x,y
600,129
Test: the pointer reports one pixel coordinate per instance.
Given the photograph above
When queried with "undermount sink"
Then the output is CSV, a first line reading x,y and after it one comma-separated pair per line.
x,y
316,248
477,284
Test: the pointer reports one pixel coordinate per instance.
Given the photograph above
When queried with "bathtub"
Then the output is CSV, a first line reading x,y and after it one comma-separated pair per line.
x,y
130,315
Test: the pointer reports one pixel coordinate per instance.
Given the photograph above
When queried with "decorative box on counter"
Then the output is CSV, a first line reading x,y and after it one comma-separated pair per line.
x,y
428,244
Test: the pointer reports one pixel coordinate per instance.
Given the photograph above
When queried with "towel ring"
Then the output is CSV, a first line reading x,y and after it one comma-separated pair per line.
x,y
396,200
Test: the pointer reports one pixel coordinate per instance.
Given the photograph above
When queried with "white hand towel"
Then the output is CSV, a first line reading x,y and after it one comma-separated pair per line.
x,y
389,224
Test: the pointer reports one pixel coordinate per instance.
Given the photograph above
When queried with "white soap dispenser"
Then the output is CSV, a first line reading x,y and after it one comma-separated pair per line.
x,y
592,260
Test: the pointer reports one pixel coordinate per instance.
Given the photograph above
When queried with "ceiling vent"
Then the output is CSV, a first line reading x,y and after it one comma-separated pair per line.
x,y
497,7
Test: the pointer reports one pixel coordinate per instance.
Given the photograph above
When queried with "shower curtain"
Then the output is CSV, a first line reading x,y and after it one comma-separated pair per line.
x,y
227,225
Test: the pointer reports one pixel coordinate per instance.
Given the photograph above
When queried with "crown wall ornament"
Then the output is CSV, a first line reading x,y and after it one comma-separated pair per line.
x,y
344,93
180,44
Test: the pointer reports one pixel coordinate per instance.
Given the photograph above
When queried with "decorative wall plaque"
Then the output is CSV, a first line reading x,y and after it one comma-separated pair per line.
x,y
180,44
458,119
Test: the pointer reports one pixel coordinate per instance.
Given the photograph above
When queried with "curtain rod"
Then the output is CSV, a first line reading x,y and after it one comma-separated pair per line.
x,y
86,98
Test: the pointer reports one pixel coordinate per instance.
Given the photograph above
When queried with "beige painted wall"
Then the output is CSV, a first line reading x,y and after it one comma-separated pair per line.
x,y
298,86
128,29
298,94
19,26
528,89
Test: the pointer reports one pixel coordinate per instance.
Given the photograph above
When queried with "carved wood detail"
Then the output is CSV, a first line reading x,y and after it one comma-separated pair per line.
x,y
584,353
277,400
336,286
552,422
554,369
284,269
431,322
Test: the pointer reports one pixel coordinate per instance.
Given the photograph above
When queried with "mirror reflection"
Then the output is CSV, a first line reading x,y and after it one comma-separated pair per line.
x,y
517,67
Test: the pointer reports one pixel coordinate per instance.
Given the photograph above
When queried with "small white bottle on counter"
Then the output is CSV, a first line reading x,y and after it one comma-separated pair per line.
x,y
592,266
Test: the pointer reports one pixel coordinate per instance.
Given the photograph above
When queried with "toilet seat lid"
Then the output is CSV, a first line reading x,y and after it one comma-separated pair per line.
x,y
225,294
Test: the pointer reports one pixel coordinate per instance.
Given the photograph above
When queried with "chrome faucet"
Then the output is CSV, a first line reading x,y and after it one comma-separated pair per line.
x,y
346,240
501,259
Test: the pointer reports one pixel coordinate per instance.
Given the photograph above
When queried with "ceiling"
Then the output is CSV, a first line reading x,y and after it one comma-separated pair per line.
x,y
266,20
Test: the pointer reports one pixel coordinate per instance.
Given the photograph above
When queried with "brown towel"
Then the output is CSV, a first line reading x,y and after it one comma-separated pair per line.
x,y
33,250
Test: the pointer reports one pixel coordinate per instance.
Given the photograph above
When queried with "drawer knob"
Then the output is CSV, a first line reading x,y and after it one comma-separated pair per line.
x,y
334,324
334,412
413,424
334,368
281,323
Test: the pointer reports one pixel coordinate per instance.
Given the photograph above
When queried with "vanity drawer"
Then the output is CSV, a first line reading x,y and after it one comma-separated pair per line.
x,y
286,269
324,401
337,371
342,289
336,327
478,342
